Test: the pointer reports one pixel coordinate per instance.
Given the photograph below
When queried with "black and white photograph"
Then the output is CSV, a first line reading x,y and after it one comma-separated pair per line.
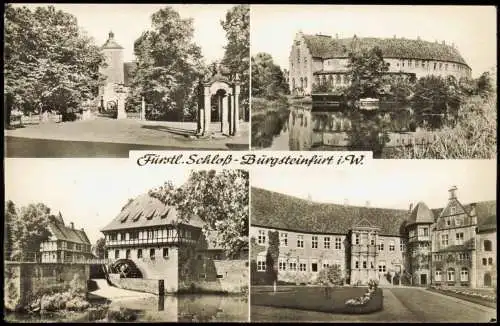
x,y
377,244
99,80
405,82
101,241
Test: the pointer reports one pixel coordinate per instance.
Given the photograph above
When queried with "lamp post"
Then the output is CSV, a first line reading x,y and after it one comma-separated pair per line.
x,y
119,90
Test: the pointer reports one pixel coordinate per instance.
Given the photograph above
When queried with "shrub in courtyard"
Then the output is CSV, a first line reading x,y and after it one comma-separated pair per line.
x,y
122,314
368,303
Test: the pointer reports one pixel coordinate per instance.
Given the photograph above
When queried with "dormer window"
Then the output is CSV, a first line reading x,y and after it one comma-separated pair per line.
x,y
452,210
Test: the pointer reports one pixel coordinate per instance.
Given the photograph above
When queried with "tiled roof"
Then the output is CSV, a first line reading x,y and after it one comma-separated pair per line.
x,y
62,232
111,43
421,214
326,47
487,224
128,72
147,211
274,210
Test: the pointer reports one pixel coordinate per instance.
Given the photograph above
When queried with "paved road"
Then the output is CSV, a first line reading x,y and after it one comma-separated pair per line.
x,y
403,305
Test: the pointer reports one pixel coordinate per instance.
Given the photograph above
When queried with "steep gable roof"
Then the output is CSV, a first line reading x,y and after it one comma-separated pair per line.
x,y
147,211
421,214
65,233
326,47
275,210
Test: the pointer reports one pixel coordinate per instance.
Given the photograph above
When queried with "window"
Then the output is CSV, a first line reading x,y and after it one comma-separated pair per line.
x,y
356,239
127,253
448,222
302,267
139,253
338,243
261,264
401,246
326,242
314,267
356,264
284,239
338,79
261,239
282,264
490,261
459,238
487,245
150,235
165,252
117,254
435,65
452,210
326,265
380,246
426,232
300,241
451,275
364,264
305,82
463,256
314,241
438,276
293,265
381,267
444,239
152,253
485,262
464,275
392,246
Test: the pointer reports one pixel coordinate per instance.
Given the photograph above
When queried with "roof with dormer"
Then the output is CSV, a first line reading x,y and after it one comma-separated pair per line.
x,y
111,43
148,211
326,47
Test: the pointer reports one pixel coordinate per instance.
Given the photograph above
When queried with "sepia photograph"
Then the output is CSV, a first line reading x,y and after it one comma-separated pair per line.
x,y
396,241
405,82
99,80
103,241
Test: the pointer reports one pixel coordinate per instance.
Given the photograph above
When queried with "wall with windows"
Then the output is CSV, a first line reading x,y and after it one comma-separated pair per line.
x,y
486,264
301,66
301,255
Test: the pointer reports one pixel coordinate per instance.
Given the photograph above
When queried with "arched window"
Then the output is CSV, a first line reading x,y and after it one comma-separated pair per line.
x,y
438,276
301,82
464,275
487,245
451,275
305,82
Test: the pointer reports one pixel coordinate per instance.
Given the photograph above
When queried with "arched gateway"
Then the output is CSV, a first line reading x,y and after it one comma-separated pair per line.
x,y
226,93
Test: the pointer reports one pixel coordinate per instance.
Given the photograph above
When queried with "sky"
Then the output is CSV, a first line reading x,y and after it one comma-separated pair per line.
x,y
386,183
471,28
88,192
129,21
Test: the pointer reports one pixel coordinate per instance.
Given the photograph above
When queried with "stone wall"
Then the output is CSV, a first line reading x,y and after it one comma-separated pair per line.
x,y
136,284
24,280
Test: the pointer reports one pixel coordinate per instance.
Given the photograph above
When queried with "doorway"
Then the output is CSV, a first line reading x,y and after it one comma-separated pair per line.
x,y
423,279
487,279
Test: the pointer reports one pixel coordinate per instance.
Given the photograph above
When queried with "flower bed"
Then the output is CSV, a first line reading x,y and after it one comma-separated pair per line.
x,y
468,295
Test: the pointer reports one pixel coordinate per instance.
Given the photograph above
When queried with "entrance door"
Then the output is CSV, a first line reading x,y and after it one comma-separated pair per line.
x,y
423,279
487,279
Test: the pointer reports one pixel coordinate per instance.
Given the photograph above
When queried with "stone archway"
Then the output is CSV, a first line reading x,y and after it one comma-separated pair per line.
x,y
227,94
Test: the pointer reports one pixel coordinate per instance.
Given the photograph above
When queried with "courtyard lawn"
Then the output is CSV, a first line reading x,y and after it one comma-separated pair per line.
x,y
314,299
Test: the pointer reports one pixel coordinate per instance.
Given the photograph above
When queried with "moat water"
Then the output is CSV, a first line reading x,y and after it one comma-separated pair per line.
x,y
170,308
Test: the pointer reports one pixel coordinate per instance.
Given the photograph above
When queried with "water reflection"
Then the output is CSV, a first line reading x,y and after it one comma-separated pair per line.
x,y
187,308
306,129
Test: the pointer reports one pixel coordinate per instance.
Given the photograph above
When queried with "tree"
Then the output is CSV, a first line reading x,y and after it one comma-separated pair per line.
x,y
484,85
272,255
437,95
268,80
29,230
220,199
100,248
168,66
237,49
49,62
330,276
367,70
10,217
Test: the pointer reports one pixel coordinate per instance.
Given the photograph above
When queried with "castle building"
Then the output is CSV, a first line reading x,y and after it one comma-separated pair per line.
x,y
320,59
161,246
65,243
116,71
375,243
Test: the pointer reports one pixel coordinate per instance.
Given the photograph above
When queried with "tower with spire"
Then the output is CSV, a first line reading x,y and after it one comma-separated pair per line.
x,y
113,70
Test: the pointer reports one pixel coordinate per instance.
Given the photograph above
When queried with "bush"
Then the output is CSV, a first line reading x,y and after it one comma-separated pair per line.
x,y
375,303
123,314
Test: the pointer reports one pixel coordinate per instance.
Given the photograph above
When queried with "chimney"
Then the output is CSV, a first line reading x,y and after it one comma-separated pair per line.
x,y
453,192
72,225
111,35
